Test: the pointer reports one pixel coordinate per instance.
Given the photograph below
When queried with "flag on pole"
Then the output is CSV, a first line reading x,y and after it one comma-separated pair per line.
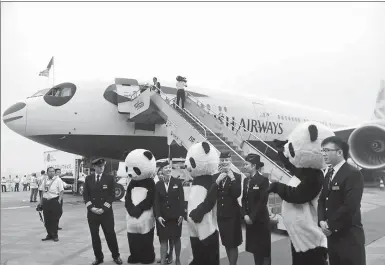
x,y
45,72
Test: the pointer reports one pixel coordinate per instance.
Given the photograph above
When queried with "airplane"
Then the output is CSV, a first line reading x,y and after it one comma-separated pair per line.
x,y
83,118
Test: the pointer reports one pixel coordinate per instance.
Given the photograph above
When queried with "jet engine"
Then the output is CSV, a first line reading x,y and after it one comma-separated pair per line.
x,y
367,146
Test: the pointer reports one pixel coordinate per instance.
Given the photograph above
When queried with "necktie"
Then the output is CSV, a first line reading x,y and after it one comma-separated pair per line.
x,y
329,175
97,179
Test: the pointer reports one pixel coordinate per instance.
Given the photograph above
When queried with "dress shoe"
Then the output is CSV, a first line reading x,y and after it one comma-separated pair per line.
x,y
47,238
97,262
59,228
56,239
118,260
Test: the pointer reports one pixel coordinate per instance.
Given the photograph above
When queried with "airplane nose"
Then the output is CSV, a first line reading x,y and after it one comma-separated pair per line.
x,y
15,117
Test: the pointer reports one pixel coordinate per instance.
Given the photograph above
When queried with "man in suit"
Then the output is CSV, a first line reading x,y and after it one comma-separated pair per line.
x,y
339,206
98,195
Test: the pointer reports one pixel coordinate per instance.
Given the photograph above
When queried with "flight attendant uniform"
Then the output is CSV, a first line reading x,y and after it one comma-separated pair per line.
x,y
254,204
169,204
228,210
51,206
99,192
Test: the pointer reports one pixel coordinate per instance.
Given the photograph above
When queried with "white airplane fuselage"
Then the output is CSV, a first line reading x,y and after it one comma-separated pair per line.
x,y
88,124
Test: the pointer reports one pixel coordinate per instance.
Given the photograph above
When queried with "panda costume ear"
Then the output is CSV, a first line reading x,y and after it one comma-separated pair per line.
x,y
148,154
313,132
206,147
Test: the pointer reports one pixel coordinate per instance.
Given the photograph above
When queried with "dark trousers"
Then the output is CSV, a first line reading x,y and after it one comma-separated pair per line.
x,y
316,256
51,212
107,222
207,251
40,194
142,247
180,95
3,188
25,186
347,248
16,186
33,194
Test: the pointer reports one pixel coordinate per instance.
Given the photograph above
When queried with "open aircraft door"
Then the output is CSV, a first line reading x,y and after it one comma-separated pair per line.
x,y
125,89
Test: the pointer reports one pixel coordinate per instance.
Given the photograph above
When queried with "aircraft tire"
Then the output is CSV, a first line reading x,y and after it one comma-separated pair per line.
x,y
119,191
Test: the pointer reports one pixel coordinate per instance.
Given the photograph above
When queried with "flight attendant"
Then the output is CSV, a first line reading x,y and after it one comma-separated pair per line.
x,y
169,211
98,195
254,211
228,188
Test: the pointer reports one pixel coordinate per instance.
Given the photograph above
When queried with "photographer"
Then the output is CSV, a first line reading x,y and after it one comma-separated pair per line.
x,y
180,85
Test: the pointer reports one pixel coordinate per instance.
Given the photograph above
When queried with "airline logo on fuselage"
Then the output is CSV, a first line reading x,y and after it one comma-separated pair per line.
x,y
255,126
138,105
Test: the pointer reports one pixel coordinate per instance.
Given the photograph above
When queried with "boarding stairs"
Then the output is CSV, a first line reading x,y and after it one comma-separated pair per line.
x,y
195,123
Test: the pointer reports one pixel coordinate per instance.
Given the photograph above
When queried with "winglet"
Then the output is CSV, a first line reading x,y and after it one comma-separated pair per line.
x,y
379,111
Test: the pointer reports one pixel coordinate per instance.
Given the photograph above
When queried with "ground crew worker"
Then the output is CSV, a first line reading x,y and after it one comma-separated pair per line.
x,y
254,210
52,194
34,186
40,181
3,184
227,188
17,183
98,195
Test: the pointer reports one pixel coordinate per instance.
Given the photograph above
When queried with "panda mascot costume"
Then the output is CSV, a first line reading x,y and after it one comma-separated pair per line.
x,y
301,155
202,161
139,200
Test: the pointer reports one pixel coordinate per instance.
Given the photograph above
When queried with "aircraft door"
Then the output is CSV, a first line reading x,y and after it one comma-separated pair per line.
x,y
127,90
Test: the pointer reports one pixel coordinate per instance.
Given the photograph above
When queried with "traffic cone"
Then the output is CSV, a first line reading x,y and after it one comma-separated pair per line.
x,y
382,187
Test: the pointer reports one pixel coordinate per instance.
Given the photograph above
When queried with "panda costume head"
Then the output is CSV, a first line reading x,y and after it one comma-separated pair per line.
x,y
301,154
202,159
303,147
140,164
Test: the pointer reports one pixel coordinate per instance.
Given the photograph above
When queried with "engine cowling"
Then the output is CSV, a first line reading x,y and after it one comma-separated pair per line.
x,y
367,146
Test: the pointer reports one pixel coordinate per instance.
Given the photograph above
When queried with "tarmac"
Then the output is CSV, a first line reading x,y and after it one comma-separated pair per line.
x,y
22,230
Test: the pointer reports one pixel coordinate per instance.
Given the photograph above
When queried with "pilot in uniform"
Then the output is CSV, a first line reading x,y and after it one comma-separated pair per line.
x,y
53,191
227,189
98,195
254,211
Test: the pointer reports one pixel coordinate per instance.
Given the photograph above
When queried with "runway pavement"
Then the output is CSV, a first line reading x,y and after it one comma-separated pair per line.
x,y
22,230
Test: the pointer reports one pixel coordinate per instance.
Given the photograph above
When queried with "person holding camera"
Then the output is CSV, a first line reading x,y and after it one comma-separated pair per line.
x,y
180,93
52,194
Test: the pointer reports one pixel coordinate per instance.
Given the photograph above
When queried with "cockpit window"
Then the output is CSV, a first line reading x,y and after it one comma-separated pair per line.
x,y
60,94
40,92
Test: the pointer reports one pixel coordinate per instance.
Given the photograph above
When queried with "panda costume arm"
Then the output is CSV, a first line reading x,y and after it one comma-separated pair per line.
x,y
148,202
128,201
211,198
307,190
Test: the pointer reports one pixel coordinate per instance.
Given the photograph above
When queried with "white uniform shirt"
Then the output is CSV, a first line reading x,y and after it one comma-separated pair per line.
x,y
33,183
156,179
180,85
3,181
52,187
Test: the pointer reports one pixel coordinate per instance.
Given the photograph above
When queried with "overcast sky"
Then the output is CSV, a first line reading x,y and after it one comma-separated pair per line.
x,y
327,55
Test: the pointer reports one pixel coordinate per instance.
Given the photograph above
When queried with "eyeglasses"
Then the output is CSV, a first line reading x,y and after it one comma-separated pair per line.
x,y
324,150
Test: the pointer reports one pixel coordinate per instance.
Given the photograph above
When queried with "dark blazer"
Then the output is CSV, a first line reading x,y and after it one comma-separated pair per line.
x,y
254,200
99,195
146,204
169,205
227,195
340,206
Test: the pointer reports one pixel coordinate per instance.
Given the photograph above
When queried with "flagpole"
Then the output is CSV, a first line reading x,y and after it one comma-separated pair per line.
x,y
53,72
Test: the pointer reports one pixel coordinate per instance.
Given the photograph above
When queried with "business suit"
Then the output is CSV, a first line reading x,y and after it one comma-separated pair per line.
x,y
254,204
228,210
170,206
101,195
340,206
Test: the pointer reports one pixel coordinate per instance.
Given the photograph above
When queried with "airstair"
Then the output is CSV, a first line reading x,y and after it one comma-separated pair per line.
x,y
195,123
